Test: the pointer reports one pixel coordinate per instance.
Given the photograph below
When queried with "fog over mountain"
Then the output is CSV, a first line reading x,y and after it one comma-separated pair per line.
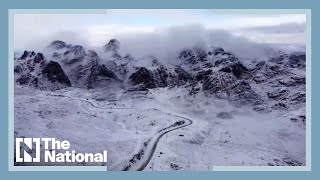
x,y
165,44
182,97
160,32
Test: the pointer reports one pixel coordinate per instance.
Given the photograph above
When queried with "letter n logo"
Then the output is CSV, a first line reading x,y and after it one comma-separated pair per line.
x,y
27,148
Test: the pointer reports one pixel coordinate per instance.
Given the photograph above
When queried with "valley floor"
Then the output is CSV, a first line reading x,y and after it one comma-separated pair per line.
x,y
211,132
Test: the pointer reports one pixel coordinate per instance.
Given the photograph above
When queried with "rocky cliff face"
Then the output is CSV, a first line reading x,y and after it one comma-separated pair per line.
x,y
271,84
32,69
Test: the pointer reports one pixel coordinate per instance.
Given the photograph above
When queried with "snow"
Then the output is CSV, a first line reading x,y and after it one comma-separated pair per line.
x,y
120,122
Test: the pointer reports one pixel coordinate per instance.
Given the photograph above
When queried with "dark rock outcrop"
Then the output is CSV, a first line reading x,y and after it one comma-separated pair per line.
x,y
27,54
162,76
259,78
112,46
297,60
218,82
298,98
100,76
241,94
278,94
293,81
237,69
280,106
58,44
195,58
183,76
225,59
237,91
24,79
143,77
55,73
105,72
188,56
203,74
73,55
38,58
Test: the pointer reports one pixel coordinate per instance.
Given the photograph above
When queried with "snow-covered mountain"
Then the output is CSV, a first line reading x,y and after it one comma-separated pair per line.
x,y
277,83
227,110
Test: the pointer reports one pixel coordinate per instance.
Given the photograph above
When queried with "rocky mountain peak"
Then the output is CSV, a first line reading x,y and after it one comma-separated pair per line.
x,y
143,77
112,46
57,44
27,54
216,51
214,71
54,72
74,54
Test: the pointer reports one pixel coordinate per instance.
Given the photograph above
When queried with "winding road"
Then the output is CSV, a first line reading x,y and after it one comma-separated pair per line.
x,y
141,163
140,160
161,133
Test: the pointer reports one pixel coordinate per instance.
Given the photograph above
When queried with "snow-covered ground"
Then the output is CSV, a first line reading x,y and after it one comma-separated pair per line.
x,y
121,122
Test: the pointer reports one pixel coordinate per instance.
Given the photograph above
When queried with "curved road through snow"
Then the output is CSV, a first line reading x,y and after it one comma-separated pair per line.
x,y
140,160
139,164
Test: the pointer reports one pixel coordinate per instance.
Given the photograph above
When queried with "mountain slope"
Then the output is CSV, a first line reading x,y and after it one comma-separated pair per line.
x,y
276,83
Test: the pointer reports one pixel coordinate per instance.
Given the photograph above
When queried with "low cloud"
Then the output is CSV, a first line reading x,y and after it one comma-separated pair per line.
x,y
163,43
286,28
166,43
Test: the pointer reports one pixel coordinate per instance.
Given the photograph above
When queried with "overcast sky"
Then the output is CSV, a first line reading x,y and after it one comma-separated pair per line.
x,y
33,30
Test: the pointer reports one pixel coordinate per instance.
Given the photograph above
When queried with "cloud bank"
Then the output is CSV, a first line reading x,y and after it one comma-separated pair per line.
x,y
164,33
